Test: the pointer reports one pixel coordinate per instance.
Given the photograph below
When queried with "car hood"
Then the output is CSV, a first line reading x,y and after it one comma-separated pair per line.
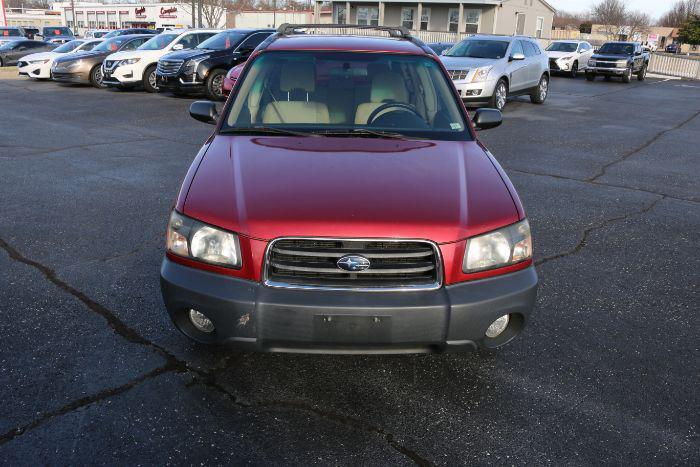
x,y
268,187
610,57
83,56
193,53
465,62
558,54
40,56
143,54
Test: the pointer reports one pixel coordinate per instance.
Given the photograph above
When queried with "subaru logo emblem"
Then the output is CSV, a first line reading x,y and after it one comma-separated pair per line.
x,y
353,263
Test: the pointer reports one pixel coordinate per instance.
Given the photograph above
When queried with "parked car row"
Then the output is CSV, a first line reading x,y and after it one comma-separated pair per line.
x,y
55,34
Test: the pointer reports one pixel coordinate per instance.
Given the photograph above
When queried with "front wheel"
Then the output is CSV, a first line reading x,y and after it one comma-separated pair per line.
x,y
215,81
96,77
539,94
500,94
642,73
627,77
590,76
574,70
149,79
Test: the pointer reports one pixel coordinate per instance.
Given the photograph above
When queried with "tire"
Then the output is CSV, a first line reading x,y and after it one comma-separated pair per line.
x,y
590,76
214,82
539,94
96,77
574,70
642,73
627,77
500,95
1,63
149,79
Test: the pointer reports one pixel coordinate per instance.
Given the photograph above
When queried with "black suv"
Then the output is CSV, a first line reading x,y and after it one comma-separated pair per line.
x,y
128,32
203,68
622,59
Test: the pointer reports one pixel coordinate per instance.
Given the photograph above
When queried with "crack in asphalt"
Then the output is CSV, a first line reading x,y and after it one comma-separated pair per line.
x,y
82,402
584,237
173,364
603,169
610,185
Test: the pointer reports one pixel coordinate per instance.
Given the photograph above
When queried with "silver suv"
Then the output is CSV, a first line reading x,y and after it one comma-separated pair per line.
x,y
487,69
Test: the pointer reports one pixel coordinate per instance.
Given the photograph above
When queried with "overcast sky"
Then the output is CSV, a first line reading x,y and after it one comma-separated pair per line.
x,y
655,8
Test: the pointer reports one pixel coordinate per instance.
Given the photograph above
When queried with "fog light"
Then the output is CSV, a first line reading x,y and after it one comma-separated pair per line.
x,y
204,324
497,327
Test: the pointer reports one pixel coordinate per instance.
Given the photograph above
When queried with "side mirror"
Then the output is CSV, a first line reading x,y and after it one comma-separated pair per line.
x,y
204,111
487,118
517,56
178,47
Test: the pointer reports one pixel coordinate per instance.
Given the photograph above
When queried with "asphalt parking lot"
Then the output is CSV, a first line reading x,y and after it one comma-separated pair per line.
x,y
92,370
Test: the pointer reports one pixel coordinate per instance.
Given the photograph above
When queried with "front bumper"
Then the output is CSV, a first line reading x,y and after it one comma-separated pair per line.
x,y
606,71
180,84
35,71
123,76
69,76
475,93
252,316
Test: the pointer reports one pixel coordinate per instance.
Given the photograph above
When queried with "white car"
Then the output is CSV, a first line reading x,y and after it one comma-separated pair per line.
x,y
138,67
569,56
38,65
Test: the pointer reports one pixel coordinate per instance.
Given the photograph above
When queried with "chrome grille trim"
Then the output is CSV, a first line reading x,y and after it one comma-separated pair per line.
x,y
458,75
426,266
169,67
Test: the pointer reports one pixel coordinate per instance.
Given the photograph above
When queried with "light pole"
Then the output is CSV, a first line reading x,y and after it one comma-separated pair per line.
x,y
4,16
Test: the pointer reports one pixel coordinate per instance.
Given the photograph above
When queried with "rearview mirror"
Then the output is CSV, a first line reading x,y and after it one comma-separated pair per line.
x,y
204,111
487,118
517,56
178,47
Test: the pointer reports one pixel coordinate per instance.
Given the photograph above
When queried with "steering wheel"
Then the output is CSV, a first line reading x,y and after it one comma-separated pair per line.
x,y
389,105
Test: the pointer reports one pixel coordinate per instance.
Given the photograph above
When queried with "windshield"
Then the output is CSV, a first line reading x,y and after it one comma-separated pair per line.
x,y
67,47
9,32
346,93
158,42
221,41
475,48
56,31
616,49
116,33
111,45
439,48
562,47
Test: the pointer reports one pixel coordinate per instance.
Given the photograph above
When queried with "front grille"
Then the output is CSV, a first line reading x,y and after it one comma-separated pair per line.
x,y
409,264
458,75
553,64
110,64
600,64
169,67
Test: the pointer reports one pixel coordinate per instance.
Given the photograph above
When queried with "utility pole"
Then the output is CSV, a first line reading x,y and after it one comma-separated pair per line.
x,y
194,13
4,16
199,9
72,13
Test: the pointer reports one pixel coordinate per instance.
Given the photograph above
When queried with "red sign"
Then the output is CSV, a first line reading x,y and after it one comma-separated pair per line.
x,y
168,12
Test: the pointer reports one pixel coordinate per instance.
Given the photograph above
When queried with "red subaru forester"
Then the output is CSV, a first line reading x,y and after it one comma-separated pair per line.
x,y
344,205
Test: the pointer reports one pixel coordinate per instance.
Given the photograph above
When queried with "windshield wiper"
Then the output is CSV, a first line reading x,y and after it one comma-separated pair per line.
x,y
265,130
365,132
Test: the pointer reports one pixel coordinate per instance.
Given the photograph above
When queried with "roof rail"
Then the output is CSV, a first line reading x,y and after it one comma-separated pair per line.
x,y
394,31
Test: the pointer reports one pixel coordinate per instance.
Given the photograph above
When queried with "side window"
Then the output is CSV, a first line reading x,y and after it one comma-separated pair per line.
x,y
202,36
516,48
253,41
133,44
189,41
528,48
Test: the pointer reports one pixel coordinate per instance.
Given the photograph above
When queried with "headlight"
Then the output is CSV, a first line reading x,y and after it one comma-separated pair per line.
x,y
129,61
191,65
503,247
566,58
592,62
481,74
622,63
193,239
38,62
74,64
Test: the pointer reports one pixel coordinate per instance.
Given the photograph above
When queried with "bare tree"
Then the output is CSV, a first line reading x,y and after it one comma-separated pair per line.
x,y
611,14
679,13
568,20
637,23
212,10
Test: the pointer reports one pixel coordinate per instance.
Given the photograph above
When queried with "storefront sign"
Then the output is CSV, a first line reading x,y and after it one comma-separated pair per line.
x,y
140,12
168,12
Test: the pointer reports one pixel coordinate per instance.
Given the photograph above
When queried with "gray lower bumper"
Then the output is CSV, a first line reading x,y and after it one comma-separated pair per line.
x,y
250,315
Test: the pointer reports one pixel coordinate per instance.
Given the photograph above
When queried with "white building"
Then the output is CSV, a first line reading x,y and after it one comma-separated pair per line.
x,y
127,15
31,17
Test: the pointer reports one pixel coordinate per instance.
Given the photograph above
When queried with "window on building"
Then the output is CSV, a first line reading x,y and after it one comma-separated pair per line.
x,y
540,27
425,19
101,24
520,24
91,24
81,24
368,16
472,17
453,20
341,16
112,25
407,15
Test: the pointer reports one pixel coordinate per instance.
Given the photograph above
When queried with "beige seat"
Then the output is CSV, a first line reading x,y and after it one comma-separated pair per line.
x,y
296,77
386,87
